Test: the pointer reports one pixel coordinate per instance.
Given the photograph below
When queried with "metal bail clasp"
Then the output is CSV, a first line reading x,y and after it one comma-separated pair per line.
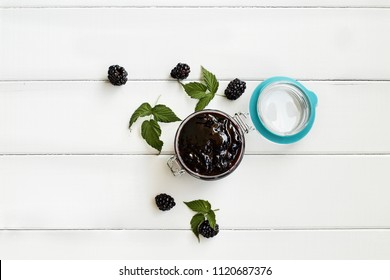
x,y
240,118
175,166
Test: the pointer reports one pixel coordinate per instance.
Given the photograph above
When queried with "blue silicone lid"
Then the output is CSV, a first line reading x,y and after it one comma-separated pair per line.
x,y
308,97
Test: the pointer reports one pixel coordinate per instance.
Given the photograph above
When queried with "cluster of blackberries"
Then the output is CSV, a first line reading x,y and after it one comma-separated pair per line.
x,y
166,202
233,91
117,75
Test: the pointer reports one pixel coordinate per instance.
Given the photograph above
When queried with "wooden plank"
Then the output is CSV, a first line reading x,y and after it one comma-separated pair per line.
x,y
176,244
195,3
254,43
117,192
92,118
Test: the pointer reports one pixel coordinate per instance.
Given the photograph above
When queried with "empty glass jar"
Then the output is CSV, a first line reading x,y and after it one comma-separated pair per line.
x,y
282,109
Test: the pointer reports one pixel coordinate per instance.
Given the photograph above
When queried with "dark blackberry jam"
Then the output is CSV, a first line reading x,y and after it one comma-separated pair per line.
x,y
210,144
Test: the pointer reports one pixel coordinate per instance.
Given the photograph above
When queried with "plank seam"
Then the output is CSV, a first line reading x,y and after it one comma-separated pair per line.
x,y
195,7
222,229
171,153
189,80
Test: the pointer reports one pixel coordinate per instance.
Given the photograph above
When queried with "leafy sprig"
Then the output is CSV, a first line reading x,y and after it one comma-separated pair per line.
x,y
204,92
150,129
204,212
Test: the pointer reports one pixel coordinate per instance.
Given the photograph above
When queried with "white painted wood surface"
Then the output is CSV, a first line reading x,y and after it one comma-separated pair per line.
x,y
92,118
195,3
281,192
253,44
179,244
75,183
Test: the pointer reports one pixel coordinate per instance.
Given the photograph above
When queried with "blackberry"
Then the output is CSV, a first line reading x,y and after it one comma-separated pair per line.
x,y
181,71
165,202
117,75
207,231
235,89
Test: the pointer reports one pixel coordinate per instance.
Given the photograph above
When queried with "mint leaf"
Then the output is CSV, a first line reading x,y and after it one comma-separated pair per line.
x,y
201,206
210,80
151,132
211,218
164,114
203,102
195,90
142,111
195,222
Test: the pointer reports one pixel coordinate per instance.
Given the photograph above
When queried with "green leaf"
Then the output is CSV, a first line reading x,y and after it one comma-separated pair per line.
x,y
164,114
142,111
195,222
202,103
151,132
201,206
210,80
197,94
211,218
195,90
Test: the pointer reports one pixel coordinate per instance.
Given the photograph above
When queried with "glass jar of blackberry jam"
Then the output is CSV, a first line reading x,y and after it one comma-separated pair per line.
x,y
209,144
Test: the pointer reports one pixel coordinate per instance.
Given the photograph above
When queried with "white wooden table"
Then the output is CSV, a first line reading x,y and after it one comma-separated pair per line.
x,y
75,183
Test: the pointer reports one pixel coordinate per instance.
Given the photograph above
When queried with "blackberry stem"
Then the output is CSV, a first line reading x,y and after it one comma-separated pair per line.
x,y
158,98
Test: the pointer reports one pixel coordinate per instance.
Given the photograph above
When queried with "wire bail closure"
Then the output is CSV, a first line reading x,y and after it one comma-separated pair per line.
x,y
240,118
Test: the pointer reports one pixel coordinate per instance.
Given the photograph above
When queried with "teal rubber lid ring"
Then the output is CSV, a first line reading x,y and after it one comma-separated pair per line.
x,y
309,97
